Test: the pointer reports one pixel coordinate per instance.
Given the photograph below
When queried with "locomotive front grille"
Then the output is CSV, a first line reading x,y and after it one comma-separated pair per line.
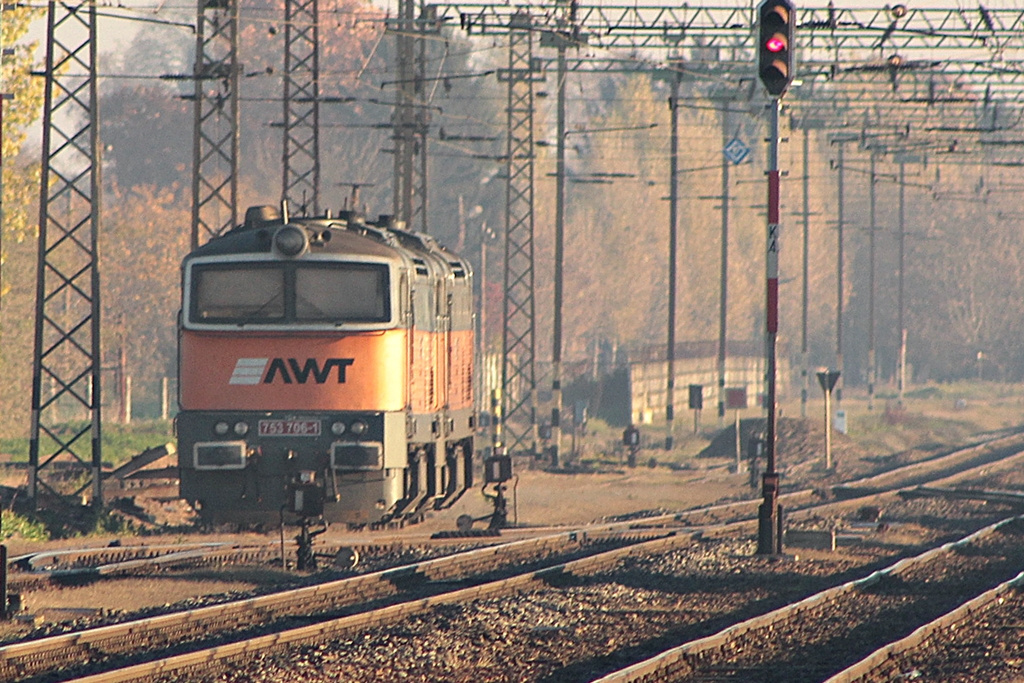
x,y
357,456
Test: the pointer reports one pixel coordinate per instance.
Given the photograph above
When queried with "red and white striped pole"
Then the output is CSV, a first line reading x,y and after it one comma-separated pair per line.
x,y
769,536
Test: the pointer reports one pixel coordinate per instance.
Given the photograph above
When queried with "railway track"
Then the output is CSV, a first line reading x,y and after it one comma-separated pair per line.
x,y
43,657
224,633
997,608
806,640
95,563
979,641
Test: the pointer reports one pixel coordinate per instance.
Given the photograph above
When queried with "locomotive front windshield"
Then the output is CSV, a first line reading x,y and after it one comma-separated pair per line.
x,y
274,294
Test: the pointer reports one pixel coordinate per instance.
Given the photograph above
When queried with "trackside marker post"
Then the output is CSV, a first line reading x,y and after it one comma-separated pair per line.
x,y
827,379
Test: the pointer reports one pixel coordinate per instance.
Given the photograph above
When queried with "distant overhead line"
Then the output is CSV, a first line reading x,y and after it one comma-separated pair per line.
x,y
995,32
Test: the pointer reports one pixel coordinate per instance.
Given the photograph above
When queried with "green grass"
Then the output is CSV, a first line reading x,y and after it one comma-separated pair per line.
x,y
120,442
46,525
13,524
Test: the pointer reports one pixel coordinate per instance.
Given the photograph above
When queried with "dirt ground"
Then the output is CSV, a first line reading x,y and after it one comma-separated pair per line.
x,y
539,498
536,498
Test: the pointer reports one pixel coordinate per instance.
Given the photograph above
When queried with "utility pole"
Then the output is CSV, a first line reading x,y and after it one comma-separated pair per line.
x,y
805,276
673,256
567,35
840,224
901,374
872,178
723,272
556,343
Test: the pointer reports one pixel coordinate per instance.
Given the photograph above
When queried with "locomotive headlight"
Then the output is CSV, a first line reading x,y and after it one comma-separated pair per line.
x,y
241,428
290,240
338,428
358,427
221,428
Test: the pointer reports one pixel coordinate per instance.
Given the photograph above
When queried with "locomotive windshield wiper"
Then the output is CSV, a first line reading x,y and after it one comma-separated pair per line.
x,y
270,302
308,306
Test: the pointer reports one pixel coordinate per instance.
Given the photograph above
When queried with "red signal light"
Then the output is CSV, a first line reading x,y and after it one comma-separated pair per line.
x,y
776,28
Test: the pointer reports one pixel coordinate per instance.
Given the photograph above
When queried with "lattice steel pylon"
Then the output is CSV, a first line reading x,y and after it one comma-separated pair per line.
x,y
518,426
66,361
411,119
215,129
301,149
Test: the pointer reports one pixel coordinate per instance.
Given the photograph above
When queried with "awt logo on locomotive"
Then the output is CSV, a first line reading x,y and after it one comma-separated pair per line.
x,y
251,371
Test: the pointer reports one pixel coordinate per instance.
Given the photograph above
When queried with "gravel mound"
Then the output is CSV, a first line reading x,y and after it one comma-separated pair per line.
x,y
799,440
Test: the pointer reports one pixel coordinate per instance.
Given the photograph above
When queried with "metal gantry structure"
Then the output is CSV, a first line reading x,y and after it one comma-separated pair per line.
x,y
828,39
66,380
216,121
934,57
300,156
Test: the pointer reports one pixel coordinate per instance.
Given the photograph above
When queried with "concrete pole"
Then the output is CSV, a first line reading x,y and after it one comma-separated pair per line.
x,y
723,286
871,287
828,429
840,224
901,375
673,257
556,346
804,295
165,400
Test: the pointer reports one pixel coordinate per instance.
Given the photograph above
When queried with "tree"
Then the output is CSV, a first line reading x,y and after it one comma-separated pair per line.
x,y
144,239
20,195
20,178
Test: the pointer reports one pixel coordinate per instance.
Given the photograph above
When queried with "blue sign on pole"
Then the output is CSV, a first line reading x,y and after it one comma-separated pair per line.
x,y
736,151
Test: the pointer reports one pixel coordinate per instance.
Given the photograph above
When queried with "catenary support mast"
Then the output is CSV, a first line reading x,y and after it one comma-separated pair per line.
x,y
66,395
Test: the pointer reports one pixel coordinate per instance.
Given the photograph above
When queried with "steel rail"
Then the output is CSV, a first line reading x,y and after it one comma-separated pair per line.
x,y
864,668
923,466
663,666
46,558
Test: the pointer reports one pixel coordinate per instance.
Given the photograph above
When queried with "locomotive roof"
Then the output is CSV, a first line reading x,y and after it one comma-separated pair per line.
x,y
345,234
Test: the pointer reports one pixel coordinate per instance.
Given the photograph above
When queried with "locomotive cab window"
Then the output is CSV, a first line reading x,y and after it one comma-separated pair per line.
x,y
353,293
233,293
274,294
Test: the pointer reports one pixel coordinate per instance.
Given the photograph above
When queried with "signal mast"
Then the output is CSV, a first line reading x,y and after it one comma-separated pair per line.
x,y
776,28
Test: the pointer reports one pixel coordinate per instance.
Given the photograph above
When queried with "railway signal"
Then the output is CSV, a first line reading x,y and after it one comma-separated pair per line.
x,y
775,27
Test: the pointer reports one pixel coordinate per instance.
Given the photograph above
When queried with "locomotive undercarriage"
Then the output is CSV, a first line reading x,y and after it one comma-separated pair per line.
x,y
385,476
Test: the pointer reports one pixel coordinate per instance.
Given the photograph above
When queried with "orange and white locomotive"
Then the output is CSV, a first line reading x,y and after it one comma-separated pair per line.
x,y
326,367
